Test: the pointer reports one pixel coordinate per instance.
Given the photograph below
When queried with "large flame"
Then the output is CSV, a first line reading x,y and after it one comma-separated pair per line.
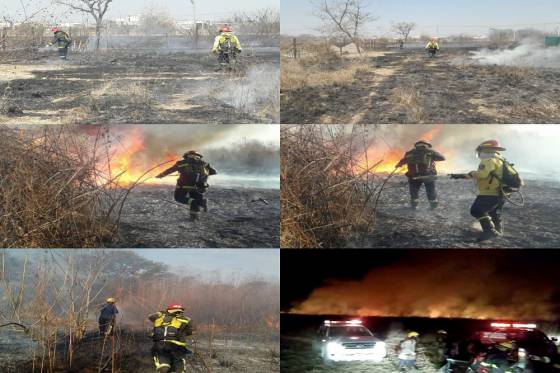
x,y
381,157
129,164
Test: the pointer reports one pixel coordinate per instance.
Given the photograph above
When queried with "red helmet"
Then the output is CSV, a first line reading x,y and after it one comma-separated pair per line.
x,y
55,29
491,145
225,29
175,307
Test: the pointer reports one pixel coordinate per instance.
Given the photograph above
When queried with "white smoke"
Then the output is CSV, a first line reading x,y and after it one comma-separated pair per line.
x,y
529,53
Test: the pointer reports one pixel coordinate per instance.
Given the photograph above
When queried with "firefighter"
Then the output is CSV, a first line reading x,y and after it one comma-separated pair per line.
x,y
107,317
421,163
62,41
487,207
433,46
226,45
192,182
407,352
171,335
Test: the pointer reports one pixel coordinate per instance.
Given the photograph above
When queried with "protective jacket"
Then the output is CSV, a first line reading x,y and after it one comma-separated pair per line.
x,y
193,173
421,162
225,38
432,45
407,350
108,312
490,172
171,328
62,39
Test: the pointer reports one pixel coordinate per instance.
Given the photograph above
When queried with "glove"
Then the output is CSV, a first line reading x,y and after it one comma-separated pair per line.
x,y
159,176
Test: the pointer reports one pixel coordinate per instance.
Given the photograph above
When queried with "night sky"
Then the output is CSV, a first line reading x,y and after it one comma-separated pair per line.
x,y
436,283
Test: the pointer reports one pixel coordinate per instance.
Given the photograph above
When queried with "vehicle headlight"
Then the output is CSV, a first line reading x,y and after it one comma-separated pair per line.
x,y
333,347
380,346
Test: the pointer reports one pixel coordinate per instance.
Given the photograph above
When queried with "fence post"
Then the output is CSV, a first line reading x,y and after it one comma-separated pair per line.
x,y
4,35
294,46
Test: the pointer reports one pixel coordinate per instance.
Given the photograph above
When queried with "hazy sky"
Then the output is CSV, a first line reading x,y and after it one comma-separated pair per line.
x,y
209,262
208,9
436,17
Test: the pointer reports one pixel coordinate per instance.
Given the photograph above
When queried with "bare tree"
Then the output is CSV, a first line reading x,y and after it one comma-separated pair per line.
x,y
347,16
404,29
96,8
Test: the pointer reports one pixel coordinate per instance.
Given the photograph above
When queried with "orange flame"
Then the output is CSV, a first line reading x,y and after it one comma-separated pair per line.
x,y
128,162
381,158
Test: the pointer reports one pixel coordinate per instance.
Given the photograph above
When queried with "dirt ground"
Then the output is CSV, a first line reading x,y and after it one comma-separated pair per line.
x,y
126,86
452,226
236,218
409,87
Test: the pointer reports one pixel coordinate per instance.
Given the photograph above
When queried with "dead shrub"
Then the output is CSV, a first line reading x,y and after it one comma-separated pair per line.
x,y
328,195
52,192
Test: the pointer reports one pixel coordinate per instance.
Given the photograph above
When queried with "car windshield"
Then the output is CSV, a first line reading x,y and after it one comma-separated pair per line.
x,y
349,331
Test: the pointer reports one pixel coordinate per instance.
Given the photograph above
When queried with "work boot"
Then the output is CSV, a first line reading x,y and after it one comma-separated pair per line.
x,y
414,204
434,204
498,225
194,216
488,231
205,205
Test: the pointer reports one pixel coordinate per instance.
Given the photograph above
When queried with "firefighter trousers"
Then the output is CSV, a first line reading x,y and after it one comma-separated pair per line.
x,y
414,187
170,358
485,207
191,197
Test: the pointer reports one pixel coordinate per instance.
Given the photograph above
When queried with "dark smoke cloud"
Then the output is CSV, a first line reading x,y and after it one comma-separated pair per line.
x,y
491,286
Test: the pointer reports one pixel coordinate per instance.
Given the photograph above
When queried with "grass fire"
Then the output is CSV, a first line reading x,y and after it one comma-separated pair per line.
x,y
363,186
438,311
99,187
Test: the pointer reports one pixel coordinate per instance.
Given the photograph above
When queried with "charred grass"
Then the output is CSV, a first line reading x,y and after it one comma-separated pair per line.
x,y
448,89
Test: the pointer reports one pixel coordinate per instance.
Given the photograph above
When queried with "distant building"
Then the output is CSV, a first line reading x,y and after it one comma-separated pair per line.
x,y
128,21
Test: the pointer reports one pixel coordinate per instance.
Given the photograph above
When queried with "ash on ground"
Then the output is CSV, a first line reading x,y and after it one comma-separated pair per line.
x,y
236,218
451,226
124,87
409,87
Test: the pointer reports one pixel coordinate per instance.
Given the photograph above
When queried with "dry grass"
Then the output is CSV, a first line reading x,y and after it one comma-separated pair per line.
x,y
51,191
327,195
317,67
408,99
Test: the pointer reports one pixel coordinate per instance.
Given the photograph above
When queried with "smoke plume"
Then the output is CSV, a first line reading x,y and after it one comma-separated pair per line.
x,y
529,53
470,285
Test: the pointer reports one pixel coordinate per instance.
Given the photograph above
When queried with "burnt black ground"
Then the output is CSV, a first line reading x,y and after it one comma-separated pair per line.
x,y
151,218
452,226
446,89
231,353
175,87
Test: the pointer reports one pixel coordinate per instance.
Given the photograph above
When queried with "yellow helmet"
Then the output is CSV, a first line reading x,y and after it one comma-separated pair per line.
x,y
111,300
413,334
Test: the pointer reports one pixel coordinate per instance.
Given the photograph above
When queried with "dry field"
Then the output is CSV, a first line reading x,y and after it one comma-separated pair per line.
x,y
409,87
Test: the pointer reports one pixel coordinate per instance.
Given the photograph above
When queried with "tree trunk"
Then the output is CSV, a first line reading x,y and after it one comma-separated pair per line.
x,y
97,34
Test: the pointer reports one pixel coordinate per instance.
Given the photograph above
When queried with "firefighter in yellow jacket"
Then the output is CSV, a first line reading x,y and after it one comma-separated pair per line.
x,y
226,45
172,334
432,47
487,207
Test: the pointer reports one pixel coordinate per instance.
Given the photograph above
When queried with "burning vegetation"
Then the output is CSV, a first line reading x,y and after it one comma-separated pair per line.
x,y
81,187
341,187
